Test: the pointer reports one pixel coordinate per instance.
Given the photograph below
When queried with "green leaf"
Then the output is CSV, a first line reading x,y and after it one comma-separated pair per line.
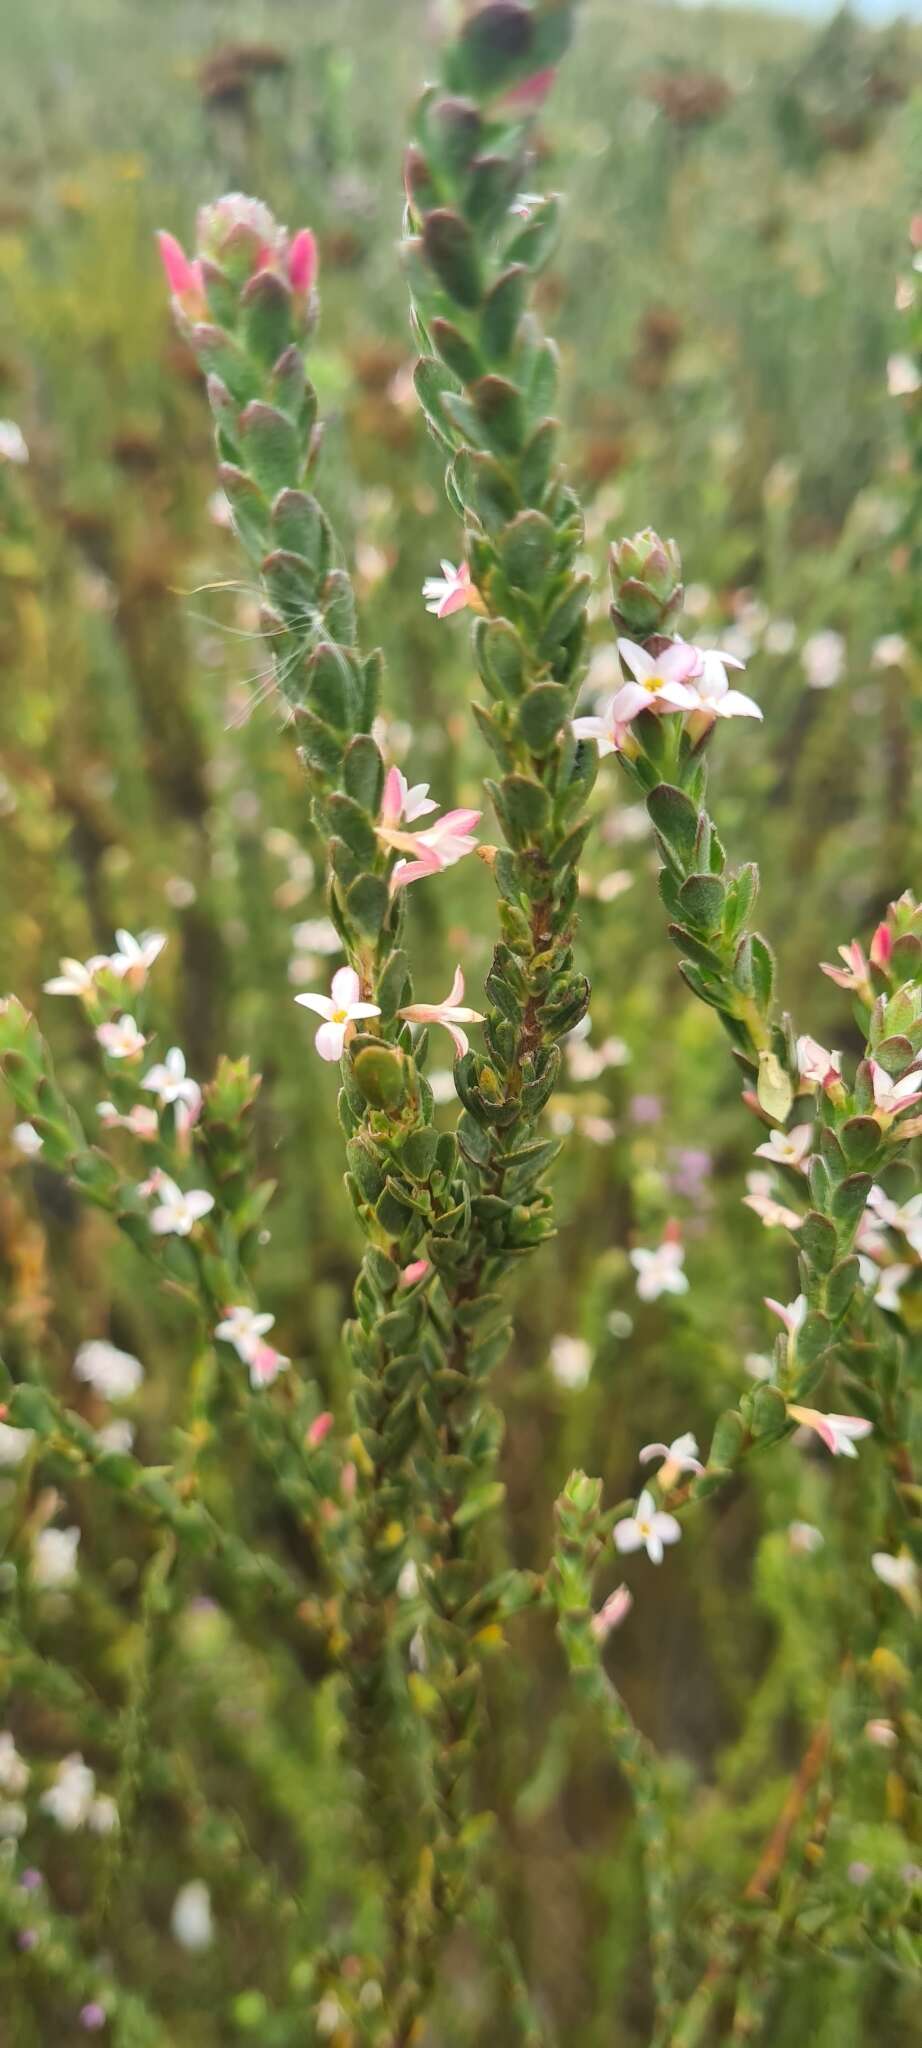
x,y
363,773
527,551
496,48
702,900
379,1072
818,1241
337,600
536,465
266,303
485,489
502,310
526,802
535,242
270,447
500,657
542,712
675,819
332,687
367,903
850,1199
565,614
840,1286
392,987
417,1153
492,183
741,895
301,528
452,253
455,350
481,1501
861,1140
498,405
350,822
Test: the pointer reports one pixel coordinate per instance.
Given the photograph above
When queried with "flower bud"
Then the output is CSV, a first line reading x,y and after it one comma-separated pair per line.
x,y
646,578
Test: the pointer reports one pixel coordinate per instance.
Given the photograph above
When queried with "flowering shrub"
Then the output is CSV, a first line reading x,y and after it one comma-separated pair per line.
x,y
341,1568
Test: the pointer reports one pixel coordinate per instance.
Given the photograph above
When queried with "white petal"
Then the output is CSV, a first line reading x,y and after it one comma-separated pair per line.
x,y
321,1005
330,1040
345,987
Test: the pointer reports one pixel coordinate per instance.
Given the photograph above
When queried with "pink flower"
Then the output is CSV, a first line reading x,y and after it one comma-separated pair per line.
x,y
814,1064
121,1039
890,1097
438,847
882,947
265,1364
320,1428
660,1271
340,1009
679,1456
854,974
662,677
532,92
647,1529
451,591
612,1613
448,1013
416,1270
134,957
839,1433
183,276
788,1148
903,1216
881,1733
774,1214
243,1327
402,805
790,1313
611,726
141,1121
302,262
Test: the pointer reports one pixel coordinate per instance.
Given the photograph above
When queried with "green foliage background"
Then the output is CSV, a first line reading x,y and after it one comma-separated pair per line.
x,y
723,299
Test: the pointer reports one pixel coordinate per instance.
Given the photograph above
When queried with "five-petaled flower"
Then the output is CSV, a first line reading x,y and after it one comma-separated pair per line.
x,y
178,1210
900,1573
244,1328
121,1038
891,1097
678,1457
450,1013
341,1010
713,696
660,1271
649,1528
839,1433
451,591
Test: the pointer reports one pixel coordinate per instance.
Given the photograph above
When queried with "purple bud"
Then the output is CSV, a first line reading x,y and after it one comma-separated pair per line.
x,y
92,2017
31,1880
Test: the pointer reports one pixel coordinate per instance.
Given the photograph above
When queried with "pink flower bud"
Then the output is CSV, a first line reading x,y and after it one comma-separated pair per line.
x,y
320,1428
183,277
302,261
533,91
881,946
417,1270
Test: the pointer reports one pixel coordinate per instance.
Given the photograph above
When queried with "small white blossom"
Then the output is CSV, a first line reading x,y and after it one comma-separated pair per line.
x,y
788,1148
570,1361
904,377
823,657
648,1528
244,1328
679,1456
900,1573
13,1819
191,1921
26,1140
77,977
121,1039
14,1771
170,1083
15,1445
804,1538
70,1797
114,1374
178,1210
13,445
660,1271
54,1558
340,1011
134,958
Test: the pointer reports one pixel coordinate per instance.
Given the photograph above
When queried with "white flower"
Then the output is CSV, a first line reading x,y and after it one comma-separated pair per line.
x,y
712,693
121,1039
13,445
114,1374
191,1922
26,1140
570,1361
679,1456
316,935
135,957
54,1558
660,1271
178,1209
15,1445
648,1528
103,1815
820,1068
791,1313
13,1819
900,1572
890,651
244,1328
77,977
70,1797
761,1200
788,1148
451,591
14,1771
117,1435
903,1216
904,377
889,1283
804,1539
823,657
340,1010
408,1580
170,1083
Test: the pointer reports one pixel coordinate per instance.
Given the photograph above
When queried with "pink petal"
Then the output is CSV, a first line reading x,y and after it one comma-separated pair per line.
x,y
179,273
302,261
392,801
320,1428
455,1032
330,1040
456,991
345,987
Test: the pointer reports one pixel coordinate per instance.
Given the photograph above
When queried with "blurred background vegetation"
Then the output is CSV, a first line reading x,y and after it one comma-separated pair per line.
x,y
738,191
